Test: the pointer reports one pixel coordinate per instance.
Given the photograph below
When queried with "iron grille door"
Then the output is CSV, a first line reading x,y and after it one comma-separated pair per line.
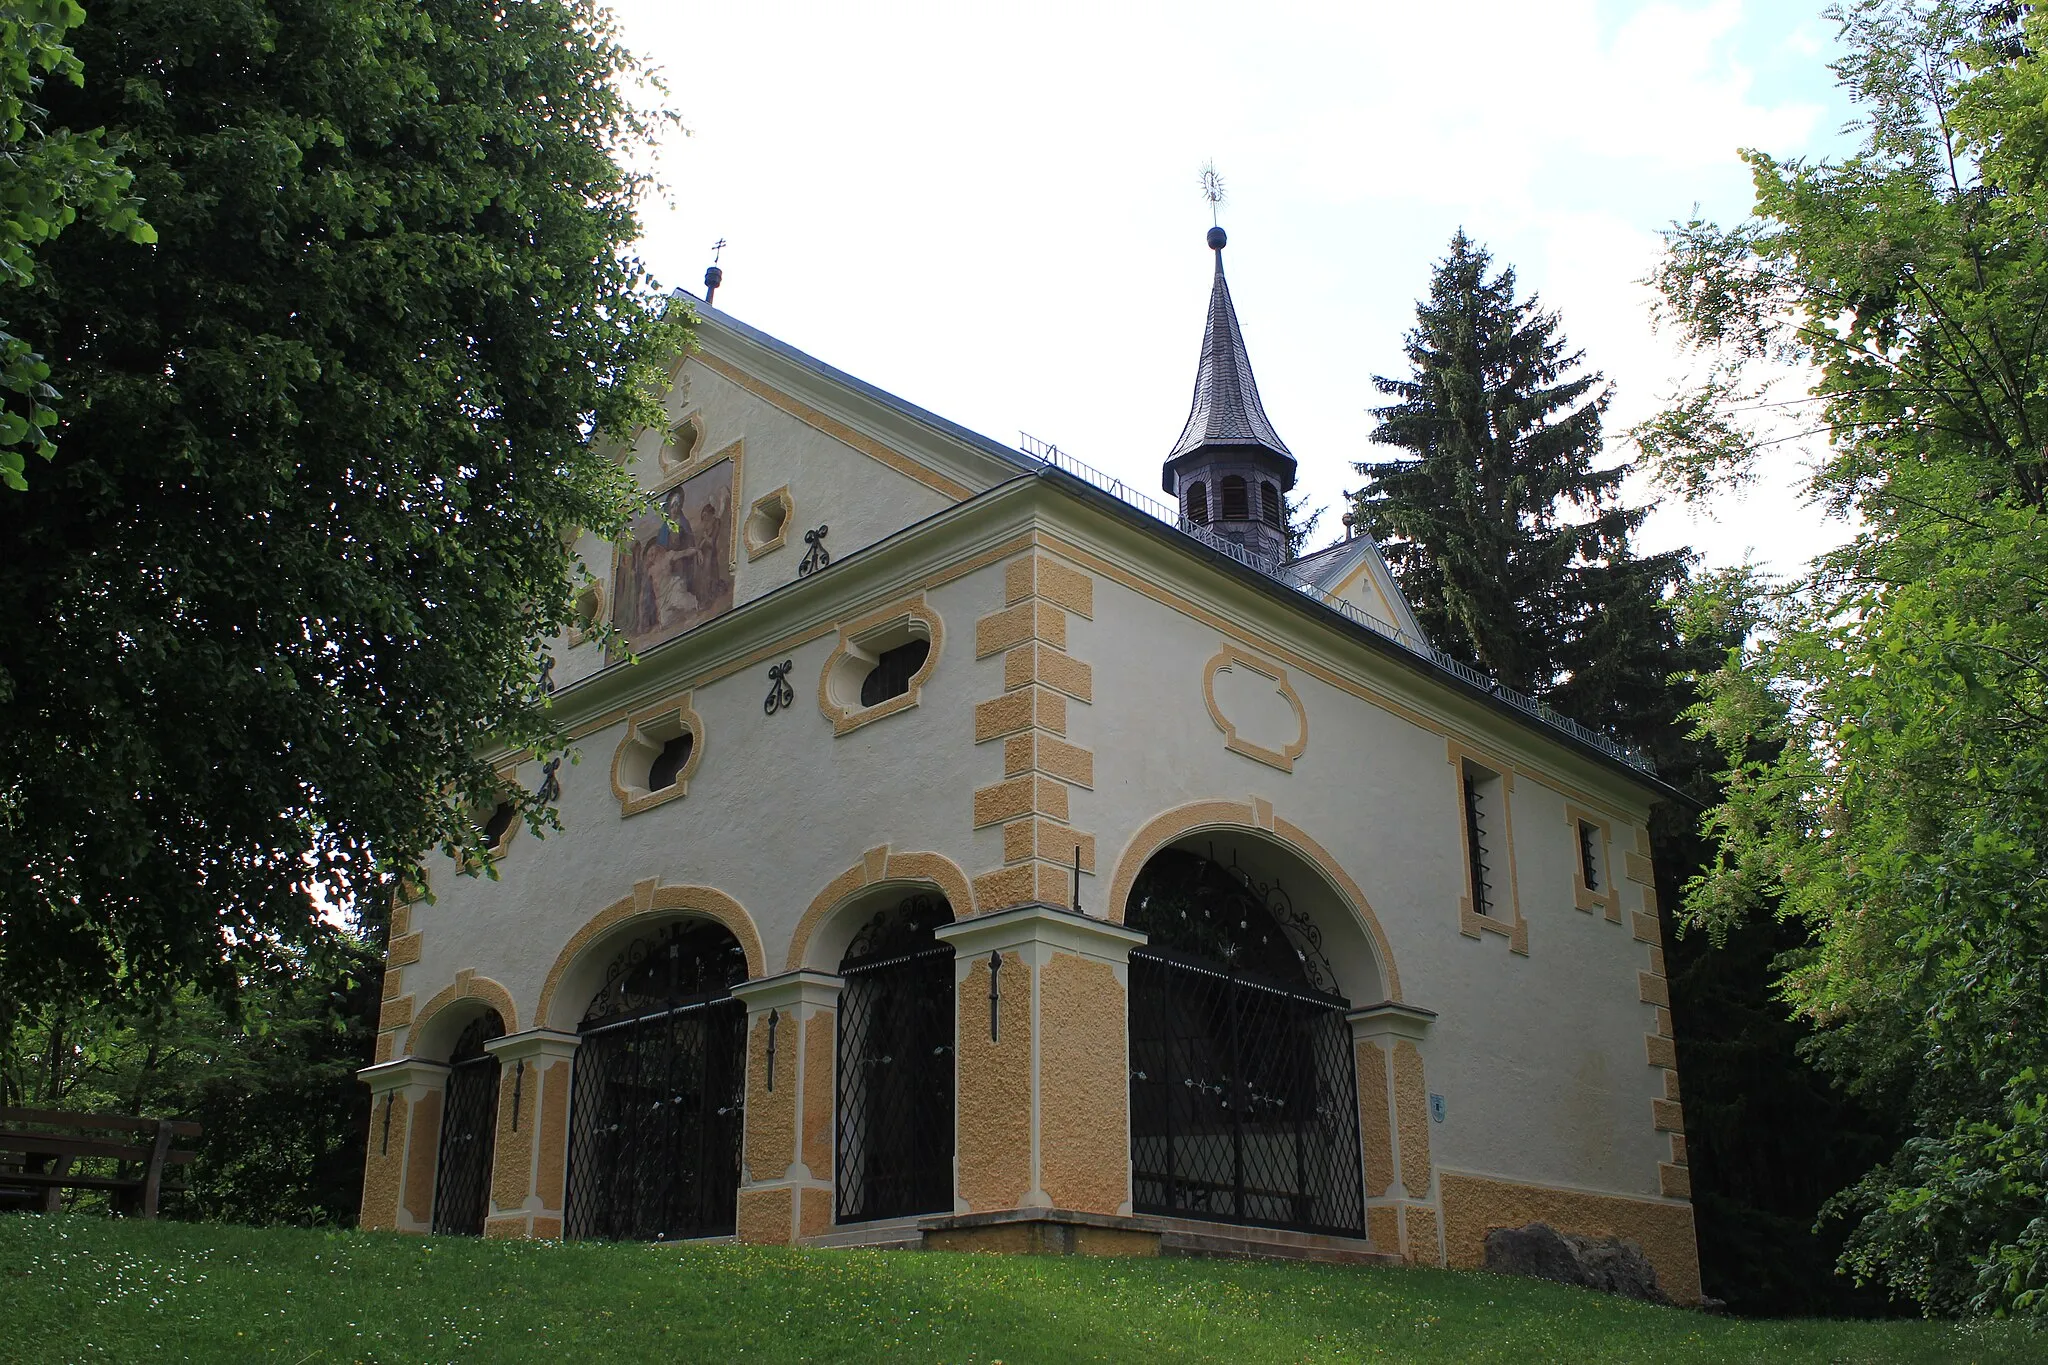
x,y
1244,1101
657,1109
895,1148
469,1130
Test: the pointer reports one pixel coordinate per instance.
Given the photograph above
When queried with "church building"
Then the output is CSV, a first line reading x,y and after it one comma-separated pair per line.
x,y
972,852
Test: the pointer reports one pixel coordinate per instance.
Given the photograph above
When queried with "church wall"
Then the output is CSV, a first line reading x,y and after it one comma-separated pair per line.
x,y
1539,1056
778,807
1544,1045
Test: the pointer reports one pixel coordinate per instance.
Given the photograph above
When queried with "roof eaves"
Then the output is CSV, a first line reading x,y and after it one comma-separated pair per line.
x,y
901,406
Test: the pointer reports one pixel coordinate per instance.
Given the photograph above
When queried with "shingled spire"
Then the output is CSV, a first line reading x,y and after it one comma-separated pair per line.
x,y
1230,470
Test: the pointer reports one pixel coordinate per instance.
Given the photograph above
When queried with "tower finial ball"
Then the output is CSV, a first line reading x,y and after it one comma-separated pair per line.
x,y
1217,237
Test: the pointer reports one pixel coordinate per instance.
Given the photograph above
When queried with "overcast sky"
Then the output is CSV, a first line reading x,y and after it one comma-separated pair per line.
x,y
993,211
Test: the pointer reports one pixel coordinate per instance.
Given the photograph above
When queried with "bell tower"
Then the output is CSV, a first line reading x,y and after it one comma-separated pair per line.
x,y
1230,471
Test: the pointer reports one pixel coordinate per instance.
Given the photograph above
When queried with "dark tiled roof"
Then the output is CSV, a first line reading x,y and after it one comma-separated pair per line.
x,y
1226,410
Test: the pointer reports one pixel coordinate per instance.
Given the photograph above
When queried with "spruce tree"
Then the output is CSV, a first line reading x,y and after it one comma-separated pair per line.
x,y
1514,550
1501,422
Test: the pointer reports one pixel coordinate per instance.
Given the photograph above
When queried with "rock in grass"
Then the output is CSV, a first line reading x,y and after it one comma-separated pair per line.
x,y
1605,1263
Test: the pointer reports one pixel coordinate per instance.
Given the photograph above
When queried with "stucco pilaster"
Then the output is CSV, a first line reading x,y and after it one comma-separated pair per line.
x,y
786,1152
529,1167
405,1136
1043,1091
1393,1122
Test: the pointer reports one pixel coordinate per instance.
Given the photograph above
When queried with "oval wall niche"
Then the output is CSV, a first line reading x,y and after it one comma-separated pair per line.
x,y
1256,708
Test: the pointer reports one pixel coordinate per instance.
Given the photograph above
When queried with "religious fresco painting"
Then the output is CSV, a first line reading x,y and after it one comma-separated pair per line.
x,y
672,577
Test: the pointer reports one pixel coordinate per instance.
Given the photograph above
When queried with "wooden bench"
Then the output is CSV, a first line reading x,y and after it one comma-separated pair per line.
x,y
39,1147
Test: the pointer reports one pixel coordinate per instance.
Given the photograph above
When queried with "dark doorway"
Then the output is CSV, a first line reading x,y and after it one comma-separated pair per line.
x,y
658,1101
895,1139
469,1131
1244,1098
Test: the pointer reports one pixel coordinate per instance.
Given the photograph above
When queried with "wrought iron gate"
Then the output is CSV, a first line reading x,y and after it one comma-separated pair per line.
x,y
895,1147
1244,1096
469,1131
657,1105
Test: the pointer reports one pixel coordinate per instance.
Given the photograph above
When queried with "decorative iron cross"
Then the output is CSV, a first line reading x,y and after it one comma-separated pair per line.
x,y
780,694
817,557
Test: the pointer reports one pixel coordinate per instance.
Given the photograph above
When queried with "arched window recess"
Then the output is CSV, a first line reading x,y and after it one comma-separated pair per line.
x,y
895,1120
1243,1089
659,1089
1202,911
469,1130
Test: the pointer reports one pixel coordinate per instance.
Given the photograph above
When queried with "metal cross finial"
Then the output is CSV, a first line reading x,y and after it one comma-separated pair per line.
x,y
1212,189
717,247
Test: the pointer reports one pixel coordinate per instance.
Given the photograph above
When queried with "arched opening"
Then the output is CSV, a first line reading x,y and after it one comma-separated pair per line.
x,y
1244,1095
1236,505
895,1112
893,670
1198,503
673,758
469,1131
499,825
658,1100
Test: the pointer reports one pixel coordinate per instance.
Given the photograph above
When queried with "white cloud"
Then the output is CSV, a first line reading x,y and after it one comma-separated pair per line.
x,y
992,210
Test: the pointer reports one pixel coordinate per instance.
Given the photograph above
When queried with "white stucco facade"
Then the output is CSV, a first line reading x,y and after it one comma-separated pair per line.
x,y
1098,682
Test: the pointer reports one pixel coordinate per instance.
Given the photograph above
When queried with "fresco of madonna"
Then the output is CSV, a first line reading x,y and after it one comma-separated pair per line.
x,y
667,579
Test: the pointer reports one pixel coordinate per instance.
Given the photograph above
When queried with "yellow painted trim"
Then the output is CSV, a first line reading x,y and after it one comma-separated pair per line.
x,y
1230,656
466,986
914,608
634,799
1584,897
935,868
651,901
1473,1204
837,430
1181,821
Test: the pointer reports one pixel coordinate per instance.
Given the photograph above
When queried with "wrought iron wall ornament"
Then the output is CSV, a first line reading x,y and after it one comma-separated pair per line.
x,y
817,556
780,693
774,1018
518,1090
995,997
550,788
384,1146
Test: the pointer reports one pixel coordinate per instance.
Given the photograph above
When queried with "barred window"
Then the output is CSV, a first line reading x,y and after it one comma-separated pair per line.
x,y
1483,825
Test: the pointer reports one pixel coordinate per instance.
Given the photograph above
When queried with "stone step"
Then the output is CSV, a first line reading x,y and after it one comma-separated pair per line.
x,y
892,1233
1192,1237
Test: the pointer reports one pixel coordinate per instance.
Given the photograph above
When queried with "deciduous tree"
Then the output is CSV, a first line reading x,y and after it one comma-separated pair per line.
x,y
324,444
1885,728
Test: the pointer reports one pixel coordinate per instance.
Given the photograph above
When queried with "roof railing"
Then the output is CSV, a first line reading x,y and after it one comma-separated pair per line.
x,y
1049,454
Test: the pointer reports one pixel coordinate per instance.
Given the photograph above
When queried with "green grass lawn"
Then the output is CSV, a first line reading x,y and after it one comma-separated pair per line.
x,y
87,1288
